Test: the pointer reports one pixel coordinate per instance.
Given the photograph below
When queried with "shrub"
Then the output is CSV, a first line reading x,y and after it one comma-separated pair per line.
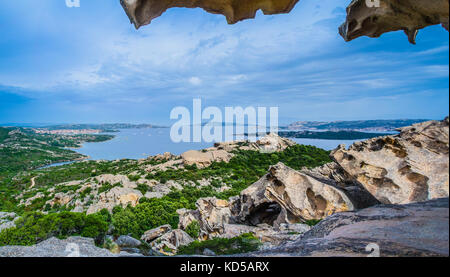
x,y
148,215
193,229
221,246
35,227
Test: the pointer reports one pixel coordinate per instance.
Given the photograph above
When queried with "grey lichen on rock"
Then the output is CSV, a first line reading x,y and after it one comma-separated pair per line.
x,y
142,12
374,18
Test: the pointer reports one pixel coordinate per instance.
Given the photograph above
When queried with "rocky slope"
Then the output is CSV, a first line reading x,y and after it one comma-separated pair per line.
x,y
381,192
364,17
401,169
409,167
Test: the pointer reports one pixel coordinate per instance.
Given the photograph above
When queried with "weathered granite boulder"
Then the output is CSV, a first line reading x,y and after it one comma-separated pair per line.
x,y
410,167
53,247
204,159
187,217
156,233
116,196
127,242
374,18
273,143
214,213
418,229
285,195
169,243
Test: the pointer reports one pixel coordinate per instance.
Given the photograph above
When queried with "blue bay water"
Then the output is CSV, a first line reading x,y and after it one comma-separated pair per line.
x,y
141,143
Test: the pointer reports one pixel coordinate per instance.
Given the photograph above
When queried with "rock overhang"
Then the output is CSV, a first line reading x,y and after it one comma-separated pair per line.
x,y
370,18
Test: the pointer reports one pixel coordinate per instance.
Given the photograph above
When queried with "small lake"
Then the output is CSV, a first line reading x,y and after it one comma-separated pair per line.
x,y
141,143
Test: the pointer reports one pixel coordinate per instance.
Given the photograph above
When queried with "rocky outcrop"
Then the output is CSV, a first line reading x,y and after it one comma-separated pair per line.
x,y
410,167
273,143
169,243
222,151
142,12
152,234
7,220
53,247
418,229
117,196
373,18
204,159
285,195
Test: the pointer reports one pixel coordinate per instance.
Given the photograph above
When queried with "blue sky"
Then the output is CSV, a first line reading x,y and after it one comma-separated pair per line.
x,y
89,65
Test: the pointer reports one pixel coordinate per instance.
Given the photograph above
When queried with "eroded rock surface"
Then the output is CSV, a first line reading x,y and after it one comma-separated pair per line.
x,y
53,247
364,17
142,12
373,18
285,195
204,159
418,229
410,167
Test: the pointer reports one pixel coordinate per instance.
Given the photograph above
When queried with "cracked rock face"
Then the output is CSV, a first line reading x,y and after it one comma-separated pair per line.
x,y
410,167
285,195
142,12
373,18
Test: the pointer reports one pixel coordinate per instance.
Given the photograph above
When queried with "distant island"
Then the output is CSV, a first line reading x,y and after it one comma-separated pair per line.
x,y
104,128
330,135
358,125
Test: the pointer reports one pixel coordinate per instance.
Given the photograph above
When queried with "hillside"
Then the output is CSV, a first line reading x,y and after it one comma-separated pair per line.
x,y
358,125
22,149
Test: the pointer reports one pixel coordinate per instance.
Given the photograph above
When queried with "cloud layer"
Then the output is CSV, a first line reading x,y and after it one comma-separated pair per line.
x,y
88,64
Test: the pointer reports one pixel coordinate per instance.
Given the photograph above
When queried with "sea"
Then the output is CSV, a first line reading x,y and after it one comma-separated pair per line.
x,y
141,143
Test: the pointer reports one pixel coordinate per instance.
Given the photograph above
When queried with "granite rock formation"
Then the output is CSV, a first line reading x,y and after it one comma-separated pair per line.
x,y
142,12
414,230
409,167
364,17
373,18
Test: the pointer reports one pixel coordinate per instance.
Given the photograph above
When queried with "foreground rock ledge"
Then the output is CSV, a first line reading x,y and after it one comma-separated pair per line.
x,y
414,230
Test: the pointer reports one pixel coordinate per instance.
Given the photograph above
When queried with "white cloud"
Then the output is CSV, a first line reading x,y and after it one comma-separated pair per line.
x,y
196,81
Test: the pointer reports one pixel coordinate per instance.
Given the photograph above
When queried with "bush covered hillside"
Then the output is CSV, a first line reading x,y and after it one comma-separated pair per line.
x,y
22,149
80,182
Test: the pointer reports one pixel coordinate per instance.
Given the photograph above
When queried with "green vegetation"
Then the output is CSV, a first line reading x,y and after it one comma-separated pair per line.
x,y
22,149
245,168
312,222
33,228
150,214
221,246
193,229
